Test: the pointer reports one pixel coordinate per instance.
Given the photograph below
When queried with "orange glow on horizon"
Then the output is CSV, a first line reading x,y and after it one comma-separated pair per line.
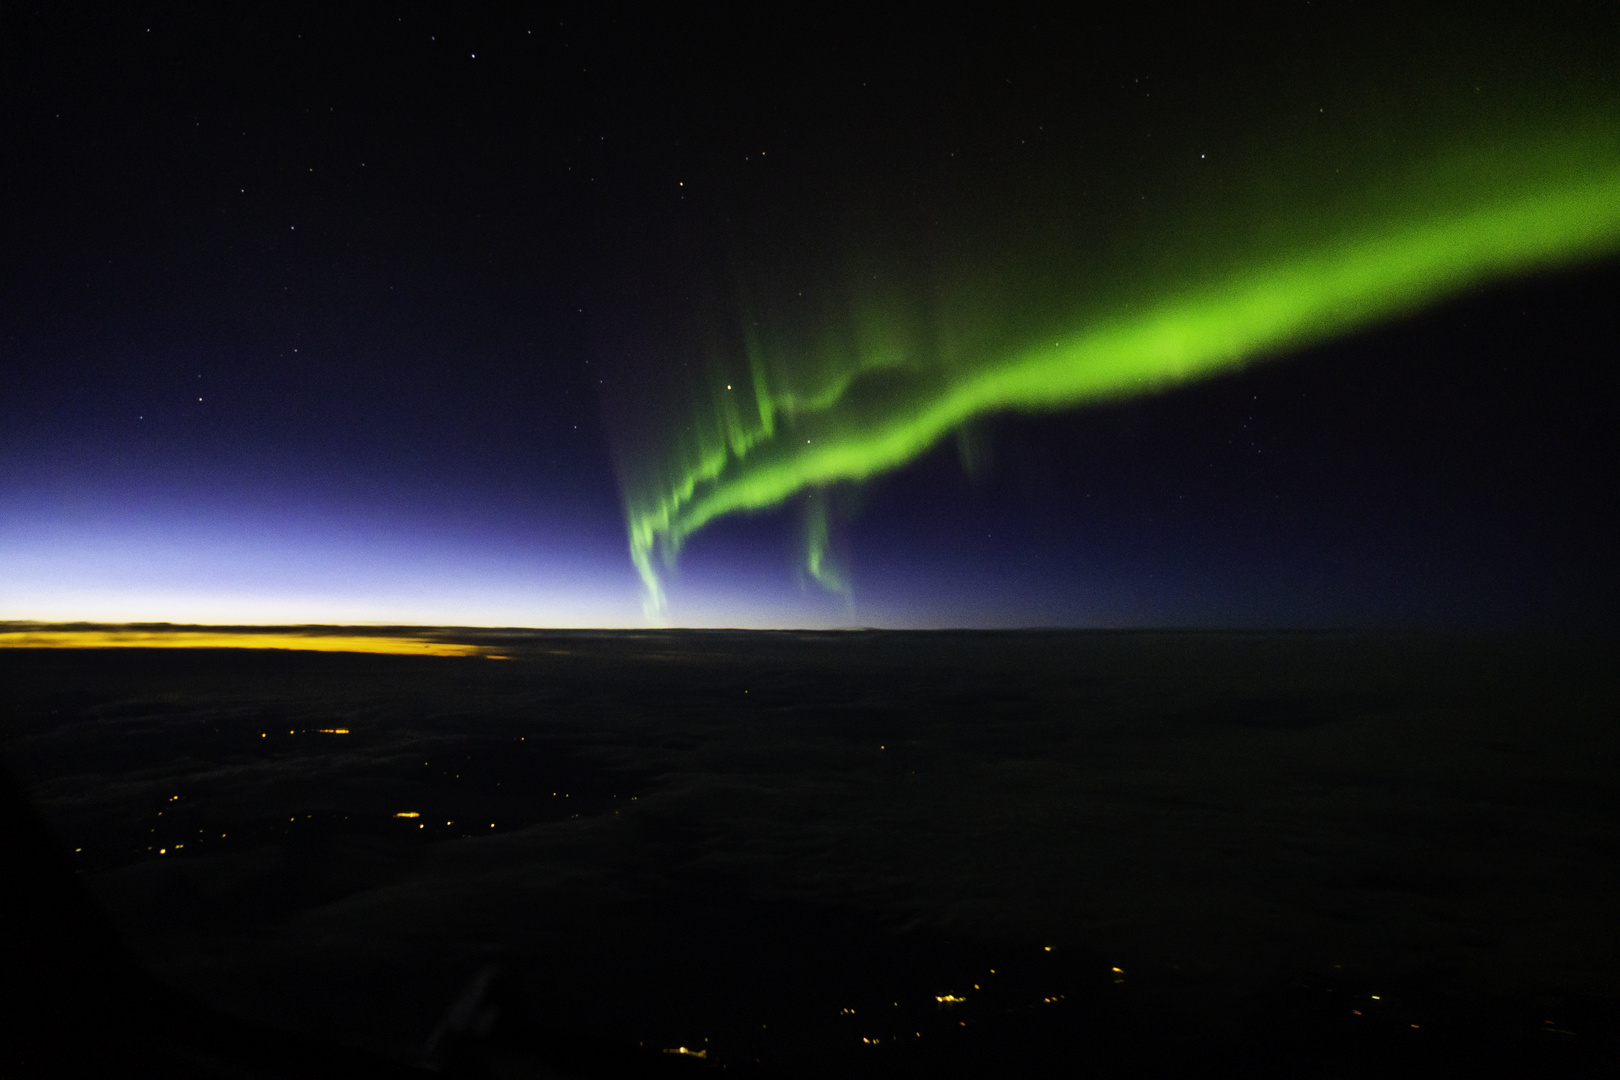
x,y
352,640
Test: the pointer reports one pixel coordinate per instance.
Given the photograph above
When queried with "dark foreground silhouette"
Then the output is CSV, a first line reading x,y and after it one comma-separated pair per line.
x,y
797,942
81,1005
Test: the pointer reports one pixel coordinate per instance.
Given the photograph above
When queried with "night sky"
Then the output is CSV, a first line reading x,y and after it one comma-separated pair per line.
x,y
407,314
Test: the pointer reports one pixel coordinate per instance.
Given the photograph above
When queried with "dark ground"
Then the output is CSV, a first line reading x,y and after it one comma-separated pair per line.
x,y
1136,853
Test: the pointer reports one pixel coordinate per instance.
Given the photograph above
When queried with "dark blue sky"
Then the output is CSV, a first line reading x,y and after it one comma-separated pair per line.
x,y
306,319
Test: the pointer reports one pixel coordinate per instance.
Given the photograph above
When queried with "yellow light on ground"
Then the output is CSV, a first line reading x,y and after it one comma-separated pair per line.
x,y
408,813
352,640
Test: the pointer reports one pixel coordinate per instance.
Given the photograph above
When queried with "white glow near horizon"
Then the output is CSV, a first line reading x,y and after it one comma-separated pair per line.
x,y
218,572
225,609
130,579
234,568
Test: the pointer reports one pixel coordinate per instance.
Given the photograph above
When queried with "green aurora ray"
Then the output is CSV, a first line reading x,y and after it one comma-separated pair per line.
x,y
789,408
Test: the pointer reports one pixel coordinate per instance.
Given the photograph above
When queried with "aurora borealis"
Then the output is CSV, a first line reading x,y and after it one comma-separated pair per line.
x,y
784,436
1290,316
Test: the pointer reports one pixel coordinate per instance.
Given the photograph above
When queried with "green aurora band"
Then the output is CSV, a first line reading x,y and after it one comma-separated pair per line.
x,y
779,417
